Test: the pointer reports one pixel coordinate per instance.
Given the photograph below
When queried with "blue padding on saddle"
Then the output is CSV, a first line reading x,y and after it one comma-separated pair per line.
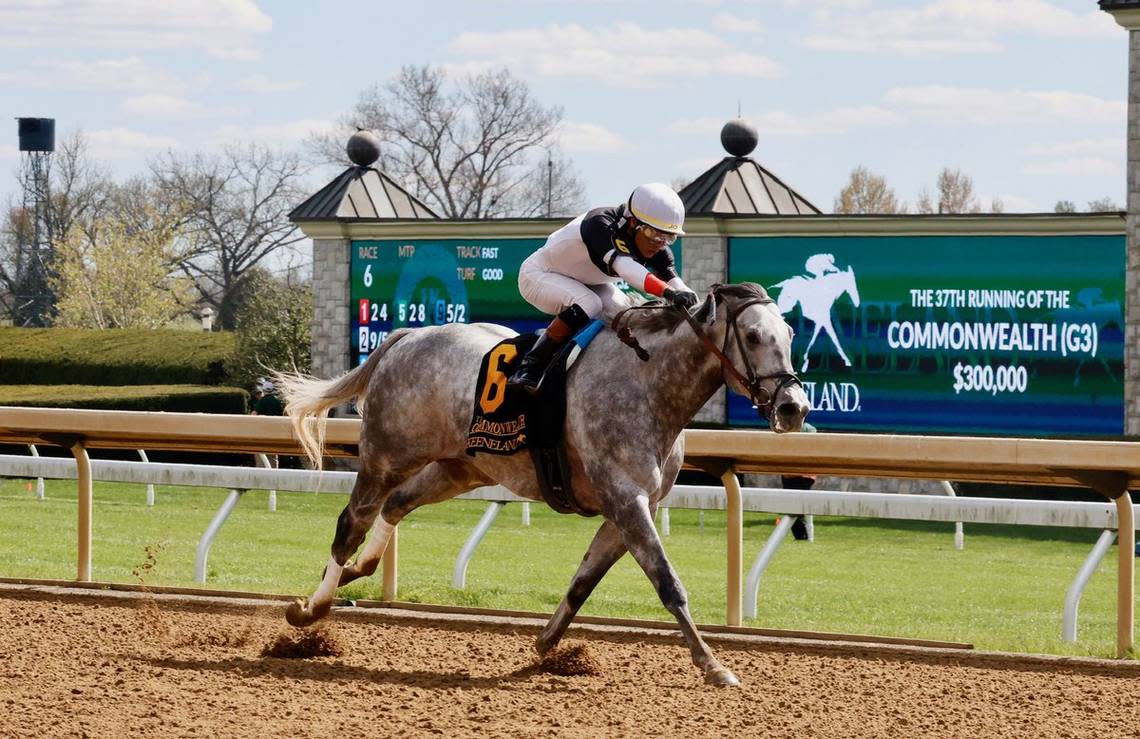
x,y
587,334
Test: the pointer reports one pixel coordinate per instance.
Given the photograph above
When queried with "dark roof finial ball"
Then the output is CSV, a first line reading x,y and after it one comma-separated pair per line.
x,y
739,137
363,148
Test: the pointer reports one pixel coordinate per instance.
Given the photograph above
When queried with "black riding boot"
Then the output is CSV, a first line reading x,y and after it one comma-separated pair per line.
x,y
534,364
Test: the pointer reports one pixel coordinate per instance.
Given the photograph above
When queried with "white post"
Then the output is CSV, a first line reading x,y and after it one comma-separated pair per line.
x,y
263,461
1077,588
526,514
149,485
211,532
664,521
39,480
959,534
459,574
752,586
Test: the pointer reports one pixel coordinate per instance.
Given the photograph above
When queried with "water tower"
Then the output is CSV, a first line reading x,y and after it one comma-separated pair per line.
x,y
34,298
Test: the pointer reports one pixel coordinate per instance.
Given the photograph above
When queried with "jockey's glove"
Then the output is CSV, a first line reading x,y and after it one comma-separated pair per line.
x,y
683,299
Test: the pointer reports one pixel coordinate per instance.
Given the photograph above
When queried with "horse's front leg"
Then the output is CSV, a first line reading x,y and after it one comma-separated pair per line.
x,y
606,549
635,522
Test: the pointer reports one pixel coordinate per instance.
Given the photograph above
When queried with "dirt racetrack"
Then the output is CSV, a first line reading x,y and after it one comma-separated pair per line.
x,y
77,663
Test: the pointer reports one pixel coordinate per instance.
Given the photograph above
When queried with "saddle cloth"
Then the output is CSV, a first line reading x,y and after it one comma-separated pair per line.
x,y
506,419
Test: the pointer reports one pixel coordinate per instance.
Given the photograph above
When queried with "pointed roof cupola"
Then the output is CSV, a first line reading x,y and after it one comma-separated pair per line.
x,y
362,192
738,185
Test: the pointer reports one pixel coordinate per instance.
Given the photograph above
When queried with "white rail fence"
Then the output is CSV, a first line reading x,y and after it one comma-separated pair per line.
x,y
1109,467
787,503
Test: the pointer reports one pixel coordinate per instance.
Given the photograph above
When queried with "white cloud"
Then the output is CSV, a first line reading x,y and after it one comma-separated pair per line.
x,y
1115,146
582,137
263,84
1076,166
624,55
122,143
954,27
781,123
222,28
281,134
7,151
690,169
985,106
735,24
129,73
163,106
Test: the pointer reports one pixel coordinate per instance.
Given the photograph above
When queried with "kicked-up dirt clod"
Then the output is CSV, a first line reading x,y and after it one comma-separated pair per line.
x,y
317,641
569,660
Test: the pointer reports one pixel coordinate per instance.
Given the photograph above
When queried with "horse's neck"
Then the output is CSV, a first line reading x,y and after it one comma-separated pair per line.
x,y
682,373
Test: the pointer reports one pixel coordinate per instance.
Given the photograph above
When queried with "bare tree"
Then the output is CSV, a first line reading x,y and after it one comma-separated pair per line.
x,y
1103,205
866,192
956,192
924,204
237,205
121,274
75,198
1065,206
476,150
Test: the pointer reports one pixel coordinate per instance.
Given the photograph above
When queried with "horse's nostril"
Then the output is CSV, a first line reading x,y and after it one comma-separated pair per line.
x,y
788,409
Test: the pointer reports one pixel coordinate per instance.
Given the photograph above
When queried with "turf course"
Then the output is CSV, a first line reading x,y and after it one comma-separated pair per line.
x,y
1005,591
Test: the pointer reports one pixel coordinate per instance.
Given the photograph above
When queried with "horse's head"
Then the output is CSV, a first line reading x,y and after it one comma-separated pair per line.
x,y
757,346
847,281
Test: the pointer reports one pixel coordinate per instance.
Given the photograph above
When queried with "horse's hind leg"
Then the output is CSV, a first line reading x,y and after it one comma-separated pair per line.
x,y
635,522
606,549
368,493
438,481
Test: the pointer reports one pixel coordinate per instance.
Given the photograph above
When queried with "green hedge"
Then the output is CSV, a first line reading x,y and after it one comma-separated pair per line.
x,y
181,398
64,356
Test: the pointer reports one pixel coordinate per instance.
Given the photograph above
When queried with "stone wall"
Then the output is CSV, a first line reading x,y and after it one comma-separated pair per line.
x,y
330,307
704,262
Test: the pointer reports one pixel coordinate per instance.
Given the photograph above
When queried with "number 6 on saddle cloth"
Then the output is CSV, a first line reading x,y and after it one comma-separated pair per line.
x,y
506,419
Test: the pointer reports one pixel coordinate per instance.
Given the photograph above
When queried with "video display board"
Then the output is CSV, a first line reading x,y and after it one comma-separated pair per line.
x,y
972,335
428,282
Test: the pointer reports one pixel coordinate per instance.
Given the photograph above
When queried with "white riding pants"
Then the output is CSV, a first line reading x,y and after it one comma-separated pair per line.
x,y
552,292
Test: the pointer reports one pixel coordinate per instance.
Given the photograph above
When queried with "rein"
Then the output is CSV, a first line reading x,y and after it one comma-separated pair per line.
x,y
759,396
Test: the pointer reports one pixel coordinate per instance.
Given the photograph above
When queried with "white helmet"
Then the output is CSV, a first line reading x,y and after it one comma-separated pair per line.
x,y
657,205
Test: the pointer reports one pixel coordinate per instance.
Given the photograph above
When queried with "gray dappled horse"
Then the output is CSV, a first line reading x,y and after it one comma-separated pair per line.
x,y
622,434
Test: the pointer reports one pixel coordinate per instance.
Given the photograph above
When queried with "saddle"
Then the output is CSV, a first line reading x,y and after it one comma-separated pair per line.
x,y
506,420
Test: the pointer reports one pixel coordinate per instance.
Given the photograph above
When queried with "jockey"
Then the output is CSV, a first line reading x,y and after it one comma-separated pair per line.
x,y
572,275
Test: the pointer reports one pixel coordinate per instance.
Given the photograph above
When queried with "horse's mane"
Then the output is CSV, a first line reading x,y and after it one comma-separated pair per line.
x,y
652,321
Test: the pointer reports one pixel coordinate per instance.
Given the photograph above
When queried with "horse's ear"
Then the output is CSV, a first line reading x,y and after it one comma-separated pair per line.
x,y
707,312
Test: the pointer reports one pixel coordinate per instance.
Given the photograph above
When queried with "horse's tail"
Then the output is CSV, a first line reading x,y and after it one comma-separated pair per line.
x,y
308,399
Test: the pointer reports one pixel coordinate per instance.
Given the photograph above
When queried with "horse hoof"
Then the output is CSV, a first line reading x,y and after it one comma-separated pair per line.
x,y
722,678
296,616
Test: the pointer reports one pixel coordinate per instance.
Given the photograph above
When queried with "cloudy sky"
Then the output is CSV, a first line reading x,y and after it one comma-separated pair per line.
x,y
1026,96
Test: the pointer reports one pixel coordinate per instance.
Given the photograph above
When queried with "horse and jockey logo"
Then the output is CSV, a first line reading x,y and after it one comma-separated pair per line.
x,y
816,293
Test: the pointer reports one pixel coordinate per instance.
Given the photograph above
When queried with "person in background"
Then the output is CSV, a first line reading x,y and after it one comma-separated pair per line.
x,y
266,403
799,482
265,400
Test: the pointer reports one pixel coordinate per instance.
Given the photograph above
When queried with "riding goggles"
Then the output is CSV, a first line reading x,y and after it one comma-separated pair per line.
x,y
658,236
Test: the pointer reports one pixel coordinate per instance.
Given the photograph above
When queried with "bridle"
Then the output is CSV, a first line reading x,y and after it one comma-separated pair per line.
x,y
760,397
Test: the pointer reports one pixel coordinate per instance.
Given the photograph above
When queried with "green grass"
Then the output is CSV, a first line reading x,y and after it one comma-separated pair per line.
x,y
184,398
1005,591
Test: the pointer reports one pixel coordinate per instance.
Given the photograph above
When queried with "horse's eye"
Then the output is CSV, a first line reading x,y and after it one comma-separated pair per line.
x,y
753,338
